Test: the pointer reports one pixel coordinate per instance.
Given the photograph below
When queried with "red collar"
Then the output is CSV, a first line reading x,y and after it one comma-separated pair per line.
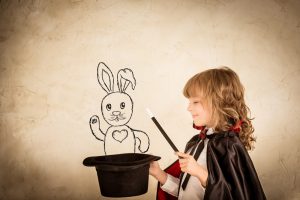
x,y
203,130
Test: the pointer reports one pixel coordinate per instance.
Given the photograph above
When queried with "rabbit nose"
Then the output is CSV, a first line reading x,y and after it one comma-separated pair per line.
x,y
116,112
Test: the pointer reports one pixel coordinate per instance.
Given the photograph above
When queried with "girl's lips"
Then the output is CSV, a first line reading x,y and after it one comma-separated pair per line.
x,y
195,116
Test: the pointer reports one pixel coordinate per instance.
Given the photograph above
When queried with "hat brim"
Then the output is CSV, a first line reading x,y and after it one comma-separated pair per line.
x,y
120,161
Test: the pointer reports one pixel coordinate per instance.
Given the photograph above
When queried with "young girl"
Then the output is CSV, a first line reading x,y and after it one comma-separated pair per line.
x,y
216,164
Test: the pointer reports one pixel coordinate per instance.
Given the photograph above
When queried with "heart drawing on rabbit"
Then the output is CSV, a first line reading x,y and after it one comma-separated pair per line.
x,y
117,109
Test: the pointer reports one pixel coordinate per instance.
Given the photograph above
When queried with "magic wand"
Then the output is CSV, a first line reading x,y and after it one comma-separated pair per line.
x,y
161,130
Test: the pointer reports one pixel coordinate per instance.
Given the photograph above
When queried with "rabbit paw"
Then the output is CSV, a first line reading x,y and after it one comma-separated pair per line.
x,y
95,128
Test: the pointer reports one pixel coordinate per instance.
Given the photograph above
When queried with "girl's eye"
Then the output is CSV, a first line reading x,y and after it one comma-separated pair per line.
x,y
196,102
108,107
122,105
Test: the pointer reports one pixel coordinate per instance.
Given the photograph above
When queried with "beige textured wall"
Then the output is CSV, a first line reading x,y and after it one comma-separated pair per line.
x,y
49,51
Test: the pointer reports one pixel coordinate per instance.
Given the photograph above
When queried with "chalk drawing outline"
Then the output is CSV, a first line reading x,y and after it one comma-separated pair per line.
x,y
119,133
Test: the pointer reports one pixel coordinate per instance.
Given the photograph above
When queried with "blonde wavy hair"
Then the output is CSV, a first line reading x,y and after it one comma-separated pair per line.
x,y
222,91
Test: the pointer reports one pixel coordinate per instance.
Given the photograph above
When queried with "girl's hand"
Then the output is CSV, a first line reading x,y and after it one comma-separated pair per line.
x,y
157,172
189,165
154,168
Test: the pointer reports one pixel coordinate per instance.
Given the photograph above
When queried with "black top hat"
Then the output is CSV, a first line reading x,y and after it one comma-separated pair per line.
x,y
122,175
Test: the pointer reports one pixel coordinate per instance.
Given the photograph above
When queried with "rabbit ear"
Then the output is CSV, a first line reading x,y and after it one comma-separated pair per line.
x,y
105,77
125,77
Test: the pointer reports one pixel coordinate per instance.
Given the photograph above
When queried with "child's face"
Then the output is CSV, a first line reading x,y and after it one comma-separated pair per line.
x,y
200,113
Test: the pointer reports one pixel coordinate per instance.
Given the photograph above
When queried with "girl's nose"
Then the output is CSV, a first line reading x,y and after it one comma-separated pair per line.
x,y
116,112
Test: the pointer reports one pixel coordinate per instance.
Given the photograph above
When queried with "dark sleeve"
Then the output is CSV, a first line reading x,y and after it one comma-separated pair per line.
x,y
231,174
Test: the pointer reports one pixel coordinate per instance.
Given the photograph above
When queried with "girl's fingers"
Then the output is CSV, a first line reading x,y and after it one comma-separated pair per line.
x,y
182,165
183,161
184,169
183,155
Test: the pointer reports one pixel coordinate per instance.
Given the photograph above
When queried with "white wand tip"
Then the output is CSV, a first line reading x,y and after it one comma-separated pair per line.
x,y
149,112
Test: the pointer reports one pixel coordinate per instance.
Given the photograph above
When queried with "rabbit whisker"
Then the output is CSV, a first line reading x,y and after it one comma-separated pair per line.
x,y
117,118
113,117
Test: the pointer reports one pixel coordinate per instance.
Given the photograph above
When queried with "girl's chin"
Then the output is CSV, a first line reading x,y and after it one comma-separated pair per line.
x,y
197,123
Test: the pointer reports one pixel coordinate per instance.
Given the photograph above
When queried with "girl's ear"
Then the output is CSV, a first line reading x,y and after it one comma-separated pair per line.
x,y
125,77
105,77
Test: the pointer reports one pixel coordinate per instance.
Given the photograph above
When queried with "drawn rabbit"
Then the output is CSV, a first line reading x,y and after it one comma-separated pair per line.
x,y
117,109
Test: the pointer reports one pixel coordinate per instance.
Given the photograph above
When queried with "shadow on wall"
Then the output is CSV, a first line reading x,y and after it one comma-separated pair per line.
x,y
20,177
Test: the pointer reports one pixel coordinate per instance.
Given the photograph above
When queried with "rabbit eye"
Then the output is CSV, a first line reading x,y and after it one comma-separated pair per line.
x,y
122,105
108,107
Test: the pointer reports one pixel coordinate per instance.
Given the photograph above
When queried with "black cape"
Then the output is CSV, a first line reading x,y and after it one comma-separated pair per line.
x,y
231,173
